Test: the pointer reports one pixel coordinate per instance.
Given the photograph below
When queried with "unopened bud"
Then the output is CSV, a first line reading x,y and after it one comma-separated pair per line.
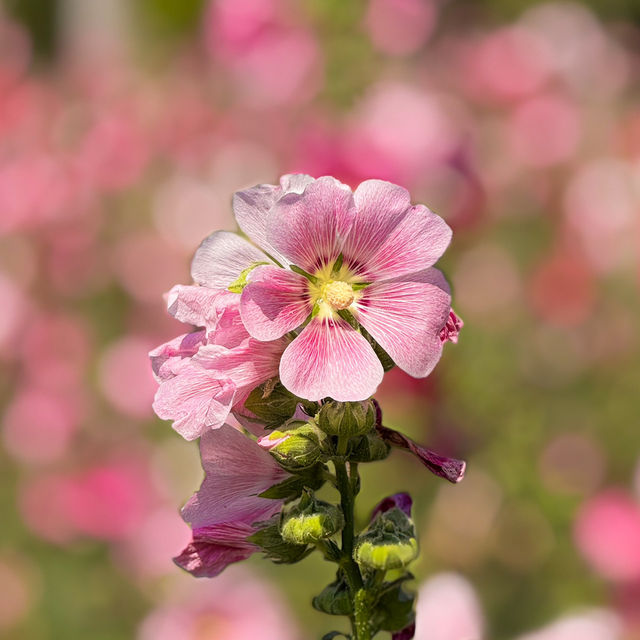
x,y
310,520
347,418
370,448
334,599
298,447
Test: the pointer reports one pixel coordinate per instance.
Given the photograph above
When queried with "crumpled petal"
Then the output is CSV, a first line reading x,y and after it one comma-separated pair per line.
x,y
330,359
308,228
222,257
200,306
451,329
406,316
450,469
389,236
274,302
165,357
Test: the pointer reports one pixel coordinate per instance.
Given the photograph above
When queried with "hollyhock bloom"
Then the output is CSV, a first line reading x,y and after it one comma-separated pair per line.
x,y
333,261
203,375
225,510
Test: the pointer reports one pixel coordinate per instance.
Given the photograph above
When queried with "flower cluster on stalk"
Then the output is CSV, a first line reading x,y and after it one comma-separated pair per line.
x,y
294,321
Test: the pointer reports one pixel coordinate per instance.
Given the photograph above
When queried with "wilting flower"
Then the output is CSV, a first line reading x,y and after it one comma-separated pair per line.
x,y
204,374
223,513
332,263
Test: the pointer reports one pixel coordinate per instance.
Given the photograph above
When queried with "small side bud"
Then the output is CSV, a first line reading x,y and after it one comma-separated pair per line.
x,y
299,447
276,549
348,419
370,448
390,541
310,520
334,599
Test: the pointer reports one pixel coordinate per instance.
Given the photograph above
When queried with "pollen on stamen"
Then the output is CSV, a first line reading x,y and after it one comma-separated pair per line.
x,y
339,294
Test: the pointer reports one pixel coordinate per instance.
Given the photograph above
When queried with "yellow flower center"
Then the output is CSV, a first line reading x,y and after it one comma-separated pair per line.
x,y
338,294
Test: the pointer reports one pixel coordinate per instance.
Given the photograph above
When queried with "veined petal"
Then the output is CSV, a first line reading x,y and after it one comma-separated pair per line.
x,y
405,316
275,301
195,399
308,228
330,359
200,306
389,236
252,207
236,471
222,257
168,354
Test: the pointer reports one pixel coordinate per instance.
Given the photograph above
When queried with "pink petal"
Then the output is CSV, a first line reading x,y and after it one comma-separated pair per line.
x,y
195,399
275,301
236,471
222,257
164,357
389,237
308,228
252,207
405,316
330,359
200,306
247,365
214,548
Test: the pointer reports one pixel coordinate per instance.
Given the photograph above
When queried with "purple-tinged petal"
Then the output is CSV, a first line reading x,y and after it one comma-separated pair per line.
x,y
195,399
408,633
450,469
222,257
389,237
405,316
330,359
274,302
164,358
452,328
248,365
236,471
401,501
213,548
309,228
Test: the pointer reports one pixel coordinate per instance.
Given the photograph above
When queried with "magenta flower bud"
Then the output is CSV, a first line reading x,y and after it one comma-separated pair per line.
x,y
402,501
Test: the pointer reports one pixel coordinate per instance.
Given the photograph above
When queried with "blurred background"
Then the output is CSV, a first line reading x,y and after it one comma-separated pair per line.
x,y
124,129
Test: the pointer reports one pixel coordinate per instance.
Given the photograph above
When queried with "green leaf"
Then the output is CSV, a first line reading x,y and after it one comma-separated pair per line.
x,y
334,599
394,610
335,634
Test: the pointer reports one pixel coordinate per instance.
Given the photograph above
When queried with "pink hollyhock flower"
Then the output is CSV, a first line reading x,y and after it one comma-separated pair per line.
x,y
331,262
205,374
224,511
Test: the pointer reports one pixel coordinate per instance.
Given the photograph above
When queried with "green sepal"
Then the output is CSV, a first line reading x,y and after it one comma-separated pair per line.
x,y
383,356
291,488
337,265
310,520
348,419
334,599
346,315
273,404
359,286
369,448
275,548
301,445
241,281
394,610
303,273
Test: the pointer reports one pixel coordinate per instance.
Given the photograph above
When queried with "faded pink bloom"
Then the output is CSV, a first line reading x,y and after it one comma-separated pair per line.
x,y
205,374
593,624
224,511
368,259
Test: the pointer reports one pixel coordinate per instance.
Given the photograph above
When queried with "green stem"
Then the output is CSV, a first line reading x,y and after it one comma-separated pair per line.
x,y
346,484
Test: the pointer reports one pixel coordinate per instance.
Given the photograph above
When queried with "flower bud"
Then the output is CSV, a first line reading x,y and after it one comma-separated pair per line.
x,y
370,448
310,520
296,448
275,548
389,542
348,419
334,599
272,403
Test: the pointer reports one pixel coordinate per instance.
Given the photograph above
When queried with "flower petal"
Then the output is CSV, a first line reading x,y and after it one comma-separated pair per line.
x,y
195,399
200,306
308,228
275,301
405,316
389,237
330,359
252,207
214,548
222,257
164,357
236,471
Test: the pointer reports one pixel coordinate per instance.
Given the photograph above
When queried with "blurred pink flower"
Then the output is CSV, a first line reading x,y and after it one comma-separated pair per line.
x,y
225,509
217,610
607,532
367,254
400,27
205,374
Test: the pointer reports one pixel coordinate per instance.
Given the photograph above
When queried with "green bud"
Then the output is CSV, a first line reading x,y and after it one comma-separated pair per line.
x,y
370,448
299,447
334,599
272,403
310,520
348,419
275,548
389,542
